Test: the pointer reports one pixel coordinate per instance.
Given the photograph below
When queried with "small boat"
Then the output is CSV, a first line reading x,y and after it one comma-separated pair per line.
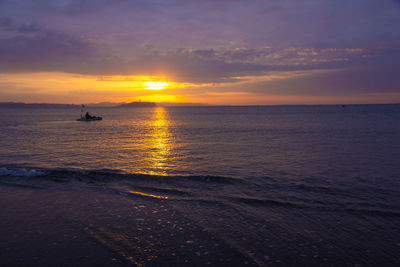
x,y
93,118
87,117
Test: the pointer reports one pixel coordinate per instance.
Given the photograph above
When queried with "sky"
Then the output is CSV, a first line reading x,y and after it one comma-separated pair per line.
x,y
230,52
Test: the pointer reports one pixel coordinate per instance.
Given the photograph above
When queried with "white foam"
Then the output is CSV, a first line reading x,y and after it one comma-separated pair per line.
x,y
20,172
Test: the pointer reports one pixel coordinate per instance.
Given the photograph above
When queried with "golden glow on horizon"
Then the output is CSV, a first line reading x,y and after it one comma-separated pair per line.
x,y
159,98
155,85
58,87
67,88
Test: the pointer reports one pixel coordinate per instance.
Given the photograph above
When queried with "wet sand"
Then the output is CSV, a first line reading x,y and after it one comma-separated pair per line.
x,y
79,225
52,221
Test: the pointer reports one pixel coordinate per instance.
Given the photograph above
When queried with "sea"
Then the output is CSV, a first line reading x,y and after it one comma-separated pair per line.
x,y
275,185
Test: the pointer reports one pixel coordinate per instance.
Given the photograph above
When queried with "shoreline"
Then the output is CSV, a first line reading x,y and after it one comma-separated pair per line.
x,y
48,221
57,226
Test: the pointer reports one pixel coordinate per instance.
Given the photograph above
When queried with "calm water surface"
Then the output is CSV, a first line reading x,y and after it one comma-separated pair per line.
x,y
324,141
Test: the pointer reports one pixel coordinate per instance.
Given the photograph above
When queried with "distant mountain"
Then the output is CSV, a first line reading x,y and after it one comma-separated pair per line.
x,y
137,105
35,105
168,104
104,104
141,104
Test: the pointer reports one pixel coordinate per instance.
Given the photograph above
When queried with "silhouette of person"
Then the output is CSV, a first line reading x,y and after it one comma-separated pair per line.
x,y
88,116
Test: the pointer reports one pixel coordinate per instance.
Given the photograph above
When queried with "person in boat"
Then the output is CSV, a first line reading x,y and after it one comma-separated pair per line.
x,y
88,116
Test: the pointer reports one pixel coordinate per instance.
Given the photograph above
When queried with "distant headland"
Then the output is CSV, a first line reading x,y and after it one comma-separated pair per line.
x,y
137,105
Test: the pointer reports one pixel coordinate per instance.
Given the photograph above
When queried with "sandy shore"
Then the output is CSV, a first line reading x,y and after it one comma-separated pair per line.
x,y
79,225
63,221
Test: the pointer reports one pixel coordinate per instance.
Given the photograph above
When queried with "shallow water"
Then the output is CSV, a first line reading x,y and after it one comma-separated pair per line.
x,y
317,185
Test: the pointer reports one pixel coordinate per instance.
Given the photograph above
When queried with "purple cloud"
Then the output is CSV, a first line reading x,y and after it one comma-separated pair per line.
x,y
251,23
33,47
5,22
30,28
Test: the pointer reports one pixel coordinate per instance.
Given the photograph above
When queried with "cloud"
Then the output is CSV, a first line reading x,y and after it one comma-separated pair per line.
x,y
277,56
289,23
227,65
5,22
340,82
30,28
35,48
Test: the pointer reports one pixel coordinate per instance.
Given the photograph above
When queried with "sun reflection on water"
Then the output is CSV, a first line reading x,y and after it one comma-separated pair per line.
x,y
147,195
160,144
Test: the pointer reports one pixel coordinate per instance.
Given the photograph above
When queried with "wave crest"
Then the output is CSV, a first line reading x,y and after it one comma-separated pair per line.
x,y
21,172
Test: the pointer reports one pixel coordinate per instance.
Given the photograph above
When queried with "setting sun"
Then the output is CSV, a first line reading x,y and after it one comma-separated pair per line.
x,y
155,85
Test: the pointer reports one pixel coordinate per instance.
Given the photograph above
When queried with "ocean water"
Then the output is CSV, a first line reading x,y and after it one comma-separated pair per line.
x,y
295,141
317,185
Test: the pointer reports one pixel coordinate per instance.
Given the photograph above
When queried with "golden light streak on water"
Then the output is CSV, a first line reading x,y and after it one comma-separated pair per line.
x,y
159,145
147,195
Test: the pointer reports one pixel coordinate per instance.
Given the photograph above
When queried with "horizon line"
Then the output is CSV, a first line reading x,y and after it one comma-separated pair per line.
x,y
191,104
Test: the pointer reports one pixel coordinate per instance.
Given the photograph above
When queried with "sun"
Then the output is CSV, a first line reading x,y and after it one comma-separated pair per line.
x,y
155,85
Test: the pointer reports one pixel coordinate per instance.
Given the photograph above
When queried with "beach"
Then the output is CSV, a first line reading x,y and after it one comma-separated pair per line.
x,y
54,221
84,225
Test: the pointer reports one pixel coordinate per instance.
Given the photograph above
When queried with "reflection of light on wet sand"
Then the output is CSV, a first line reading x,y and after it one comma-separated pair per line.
x,y
159,146
147,195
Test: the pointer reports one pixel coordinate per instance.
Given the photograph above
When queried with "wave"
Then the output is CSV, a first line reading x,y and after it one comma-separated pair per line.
x,y
23,172
108,175
252,201
208,191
